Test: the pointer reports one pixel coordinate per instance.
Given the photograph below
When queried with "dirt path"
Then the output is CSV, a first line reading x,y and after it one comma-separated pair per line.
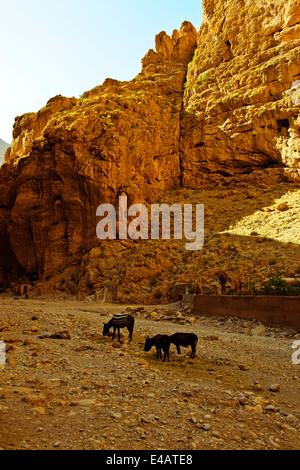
x,y
90,392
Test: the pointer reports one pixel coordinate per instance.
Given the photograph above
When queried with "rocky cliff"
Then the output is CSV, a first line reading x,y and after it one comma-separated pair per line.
x,y
240,112
208,108
74,154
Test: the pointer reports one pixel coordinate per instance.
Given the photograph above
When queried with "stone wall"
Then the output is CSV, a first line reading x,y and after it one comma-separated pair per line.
x,y
270,310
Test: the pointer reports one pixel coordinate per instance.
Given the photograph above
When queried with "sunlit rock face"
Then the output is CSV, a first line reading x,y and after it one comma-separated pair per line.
x,y
240,112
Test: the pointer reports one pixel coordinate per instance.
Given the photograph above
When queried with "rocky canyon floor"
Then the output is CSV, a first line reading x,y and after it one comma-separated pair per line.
x,y
80,390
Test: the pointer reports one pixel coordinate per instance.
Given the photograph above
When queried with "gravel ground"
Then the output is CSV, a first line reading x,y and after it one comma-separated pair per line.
x,y
84,391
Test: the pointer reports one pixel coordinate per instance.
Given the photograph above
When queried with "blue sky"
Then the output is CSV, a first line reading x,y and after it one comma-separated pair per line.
x,y
69,46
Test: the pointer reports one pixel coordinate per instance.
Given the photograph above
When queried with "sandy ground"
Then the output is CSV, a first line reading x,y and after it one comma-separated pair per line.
x,y
89,392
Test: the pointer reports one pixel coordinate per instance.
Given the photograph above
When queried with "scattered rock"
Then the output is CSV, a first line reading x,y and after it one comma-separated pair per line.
x,y
206,427
212,337
242,400
282,207
35,400
98,445
61,335
274,388
28,341
39,410
257,385
192,446
254,408
258,330
46,334
271,408
4,326
243,367
87,402
115,415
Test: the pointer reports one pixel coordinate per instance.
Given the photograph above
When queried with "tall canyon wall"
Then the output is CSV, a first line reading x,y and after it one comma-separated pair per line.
x,y
215,107
241,114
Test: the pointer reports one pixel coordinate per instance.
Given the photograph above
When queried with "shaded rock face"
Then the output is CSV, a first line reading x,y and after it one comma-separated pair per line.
x,y
207,108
